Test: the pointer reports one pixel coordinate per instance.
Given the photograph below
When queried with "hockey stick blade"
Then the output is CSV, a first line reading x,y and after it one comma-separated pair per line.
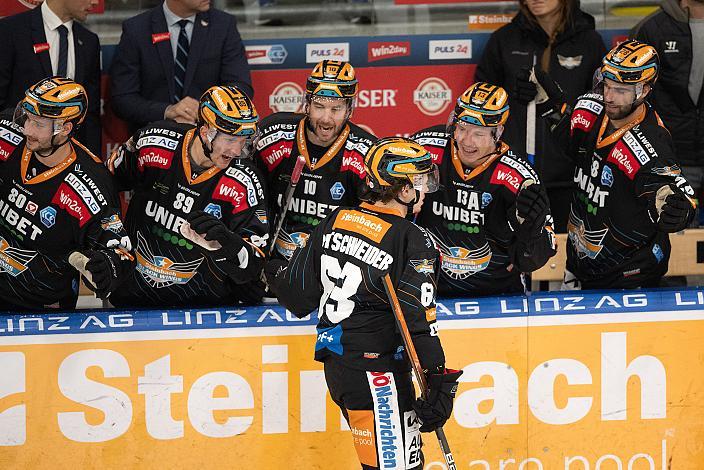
x,y
415,364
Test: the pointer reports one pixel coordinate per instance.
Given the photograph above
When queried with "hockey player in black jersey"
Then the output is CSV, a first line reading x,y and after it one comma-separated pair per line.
x,y
58,209
333,147
629,191
198,214
492,219
339,272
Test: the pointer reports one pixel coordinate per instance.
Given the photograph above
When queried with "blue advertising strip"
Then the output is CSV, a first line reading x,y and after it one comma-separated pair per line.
x,y
540,304
367,51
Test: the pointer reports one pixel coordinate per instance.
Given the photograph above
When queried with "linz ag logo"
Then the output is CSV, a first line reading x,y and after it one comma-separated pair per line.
x,y
387,50
266,54
450,50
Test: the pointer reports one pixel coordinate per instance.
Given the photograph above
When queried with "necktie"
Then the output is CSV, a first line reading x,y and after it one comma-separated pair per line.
x,y
63,51
181,61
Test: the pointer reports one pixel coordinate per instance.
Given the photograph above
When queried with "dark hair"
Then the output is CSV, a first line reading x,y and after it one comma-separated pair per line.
x,y
567,8
386,195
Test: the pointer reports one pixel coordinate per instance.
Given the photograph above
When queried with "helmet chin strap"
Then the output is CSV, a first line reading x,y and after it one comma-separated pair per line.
x,y
207,151
409,205
54,147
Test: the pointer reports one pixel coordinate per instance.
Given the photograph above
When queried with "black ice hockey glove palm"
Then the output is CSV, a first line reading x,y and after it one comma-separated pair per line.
x,y
532,207
104,272
437,409
674,210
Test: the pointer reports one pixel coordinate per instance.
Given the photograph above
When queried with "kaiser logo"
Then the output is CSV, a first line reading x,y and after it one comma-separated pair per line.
x,y
287,97
333,51
432,96
266,54
387,50
450,50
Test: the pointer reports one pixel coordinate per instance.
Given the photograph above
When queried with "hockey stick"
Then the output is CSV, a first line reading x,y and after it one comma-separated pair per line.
x,y
288,194
530,127
415,365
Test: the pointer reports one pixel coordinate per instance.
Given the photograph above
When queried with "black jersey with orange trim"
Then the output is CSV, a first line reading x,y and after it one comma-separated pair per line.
x,y
46,213
171,270
339,272
612,240
332,180
473,221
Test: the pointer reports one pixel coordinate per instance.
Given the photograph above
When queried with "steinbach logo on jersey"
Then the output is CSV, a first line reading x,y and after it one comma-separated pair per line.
x,y
160,271
388,422
14,261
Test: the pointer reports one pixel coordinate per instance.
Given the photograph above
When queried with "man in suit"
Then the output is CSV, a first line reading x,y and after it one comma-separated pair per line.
x,y
168,56
48,41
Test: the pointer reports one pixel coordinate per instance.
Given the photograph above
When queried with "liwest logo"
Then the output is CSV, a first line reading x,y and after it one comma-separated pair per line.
x,y
387,50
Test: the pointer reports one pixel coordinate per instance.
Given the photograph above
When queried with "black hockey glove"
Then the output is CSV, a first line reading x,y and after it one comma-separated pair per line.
x,y
525,90
550,96
233,251
104,273
532,207
673,211
272,269
437,409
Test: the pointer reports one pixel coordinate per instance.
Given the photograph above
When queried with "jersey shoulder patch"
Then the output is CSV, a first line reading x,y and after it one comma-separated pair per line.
x,y
156,146
241,187
435,140
10,138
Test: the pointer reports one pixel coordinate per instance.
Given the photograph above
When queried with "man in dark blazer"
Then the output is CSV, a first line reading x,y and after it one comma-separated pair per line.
x,y
27,56
144,77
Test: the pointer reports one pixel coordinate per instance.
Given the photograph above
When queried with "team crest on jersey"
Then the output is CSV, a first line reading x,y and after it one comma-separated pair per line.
x,y
213,209
607,176
287,243
587,243
337,191
160,271
112,223
48,216
672,170
423,266
261,216
460,263
14,261
486,199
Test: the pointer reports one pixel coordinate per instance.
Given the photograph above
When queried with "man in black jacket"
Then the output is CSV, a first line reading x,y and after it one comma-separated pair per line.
x,y
677,32
169,56
562,41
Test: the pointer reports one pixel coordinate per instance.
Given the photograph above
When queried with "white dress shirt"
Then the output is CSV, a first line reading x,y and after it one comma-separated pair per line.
x,y
172,20
51,23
